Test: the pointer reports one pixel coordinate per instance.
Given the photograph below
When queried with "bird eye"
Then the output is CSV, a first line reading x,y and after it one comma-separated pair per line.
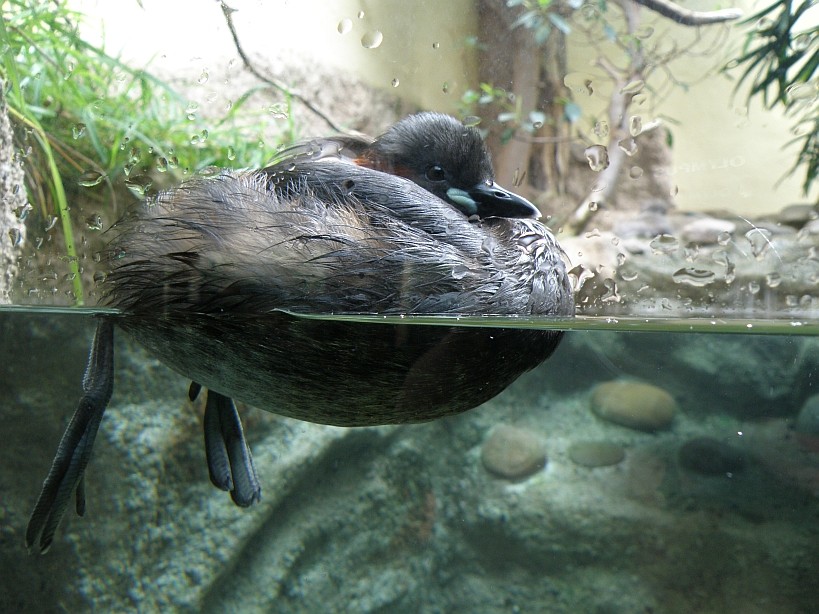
x,y
435,173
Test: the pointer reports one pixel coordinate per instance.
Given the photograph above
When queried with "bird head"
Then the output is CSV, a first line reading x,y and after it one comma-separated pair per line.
x,y
448,159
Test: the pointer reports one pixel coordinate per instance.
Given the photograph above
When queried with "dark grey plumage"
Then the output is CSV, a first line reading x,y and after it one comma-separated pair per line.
x,y
203,273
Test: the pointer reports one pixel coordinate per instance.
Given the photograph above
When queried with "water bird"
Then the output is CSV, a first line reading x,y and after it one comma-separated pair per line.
x,y
215,277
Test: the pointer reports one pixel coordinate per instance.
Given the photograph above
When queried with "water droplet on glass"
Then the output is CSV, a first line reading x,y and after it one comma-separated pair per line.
x,y
395,82
372,39
635,125
763,24
601,129
361,14
760,240
231,153
138,185
753,287
802,91
344,26
78,130
470,121
436,45
610,295
191,110
635,172
644,32
203,77
628,146
594,232
593,206
579,275
162,164
90,178
773,279
633,87
598,157
621,259
791,300
664,244
16,236
694,277
724,238
445,88
94,222
52,222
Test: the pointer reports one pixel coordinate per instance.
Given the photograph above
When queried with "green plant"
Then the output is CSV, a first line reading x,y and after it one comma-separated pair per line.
x,y
91,120
780,60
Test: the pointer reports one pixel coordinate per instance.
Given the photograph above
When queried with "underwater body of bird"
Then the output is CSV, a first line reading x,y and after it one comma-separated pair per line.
x,y
208,277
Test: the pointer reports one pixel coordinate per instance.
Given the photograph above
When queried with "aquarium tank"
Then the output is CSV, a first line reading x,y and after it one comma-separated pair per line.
x,y
662,457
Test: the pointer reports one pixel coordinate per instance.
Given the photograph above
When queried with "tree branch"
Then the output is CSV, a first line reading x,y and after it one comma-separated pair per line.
x,y
688,17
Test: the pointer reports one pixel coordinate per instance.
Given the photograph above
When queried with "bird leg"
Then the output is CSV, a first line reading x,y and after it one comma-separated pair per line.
x,y
73,453
230,463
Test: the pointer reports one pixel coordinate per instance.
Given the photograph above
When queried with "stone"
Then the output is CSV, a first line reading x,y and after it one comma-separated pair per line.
x,y
709,456
512,453
706,230
633,404
807,422
596,453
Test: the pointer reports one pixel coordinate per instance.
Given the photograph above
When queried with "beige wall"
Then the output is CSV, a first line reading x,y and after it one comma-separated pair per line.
x,y
725,156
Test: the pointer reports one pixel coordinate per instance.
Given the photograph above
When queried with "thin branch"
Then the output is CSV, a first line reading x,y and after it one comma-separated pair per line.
x,y
274,83
688,17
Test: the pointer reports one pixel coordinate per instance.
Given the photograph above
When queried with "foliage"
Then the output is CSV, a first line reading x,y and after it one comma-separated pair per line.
x,y
780,60
90,119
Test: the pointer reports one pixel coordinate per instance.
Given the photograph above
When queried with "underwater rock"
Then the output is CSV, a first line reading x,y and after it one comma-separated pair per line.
x,y
596,453
709,456
807,421
512,453
635,405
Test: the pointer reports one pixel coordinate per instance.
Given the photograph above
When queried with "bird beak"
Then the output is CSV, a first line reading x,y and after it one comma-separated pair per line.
x,y
491,200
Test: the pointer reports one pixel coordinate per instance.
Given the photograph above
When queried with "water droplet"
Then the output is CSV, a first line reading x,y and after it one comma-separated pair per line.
x,y
635,172
203,77
635,125
94,222
801,42
664,244
52,222
611,295
395,82
138,185
763,24
791,300
90,178
16,236
191,110
621,259
601,129
579,275
162,164
724,238
445,88
231,153
593,206
470,121
344,26
802,91
760,240
598,157
594,232
753,287
78,130
436,45
628,146
694,277
361,14
773,279
644,32
372,39
633,87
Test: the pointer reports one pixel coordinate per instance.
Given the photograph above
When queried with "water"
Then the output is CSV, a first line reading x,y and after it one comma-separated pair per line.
x,y
410,517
